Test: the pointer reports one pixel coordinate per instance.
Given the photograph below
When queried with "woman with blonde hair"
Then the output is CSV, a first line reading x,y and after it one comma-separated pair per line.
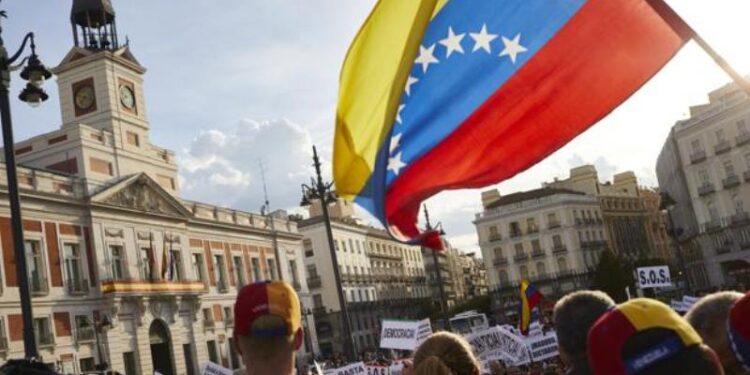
x,y
445,353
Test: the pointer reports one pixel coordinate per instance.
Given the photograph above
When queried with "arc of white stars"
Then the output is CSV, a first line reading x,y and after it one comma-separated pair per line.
x,y
395,164
398,114
395,142
482,39
452,43
513,47
410,81
426,57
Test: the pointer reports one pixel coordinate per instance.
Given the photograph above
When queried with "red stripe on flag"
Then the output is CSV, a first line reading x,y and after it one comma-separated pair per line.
x,y
609,49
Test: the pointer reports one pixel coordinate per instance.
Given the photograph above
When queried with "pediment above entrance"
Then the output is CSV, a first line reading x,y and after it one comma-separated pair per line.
x,y
140,193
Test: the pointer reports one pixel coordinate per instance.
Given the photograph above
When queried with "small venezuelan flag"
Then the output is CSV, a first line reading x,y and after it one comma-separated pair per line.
x,y
530,297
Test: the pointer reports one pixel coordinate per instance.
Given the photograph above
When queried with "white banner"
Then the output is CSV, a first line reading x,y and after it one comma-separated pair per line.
x,y
210,368
689,301
396,369
653,277
678,306
400,334
498,343
377,370
424,331
543,346
353,369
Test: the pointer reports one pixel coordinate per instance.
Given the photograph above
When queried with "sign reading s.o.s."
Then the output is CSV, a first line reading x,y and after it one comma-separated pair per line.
x,y
653,277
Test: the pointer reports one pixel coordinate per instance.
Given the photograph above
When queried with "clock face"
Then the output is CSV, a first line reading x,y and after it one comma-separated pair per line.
x,y
126,97
84,97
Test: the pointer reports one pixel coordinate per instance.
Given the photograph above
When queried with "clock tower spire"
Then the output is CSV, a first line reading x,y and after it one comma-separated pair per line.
x,y
94,24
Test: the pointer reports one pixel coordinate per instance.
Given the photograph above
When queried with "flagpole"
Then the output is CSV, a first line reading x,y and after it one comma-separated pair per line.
x,y
684,29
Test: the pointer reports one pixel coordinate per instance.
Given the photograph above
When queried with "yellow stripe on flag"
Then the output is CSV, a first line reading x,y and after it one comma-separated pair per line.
x,y
372,79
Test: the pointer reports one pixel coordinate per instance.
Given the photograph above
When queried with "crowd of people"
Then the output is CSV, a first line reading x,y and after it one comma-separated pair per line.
x,y
595,336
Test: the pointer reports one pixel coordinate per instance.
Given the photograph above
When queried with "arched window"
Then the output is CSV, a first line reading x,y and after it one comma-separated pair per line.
x,y
541,269
562,264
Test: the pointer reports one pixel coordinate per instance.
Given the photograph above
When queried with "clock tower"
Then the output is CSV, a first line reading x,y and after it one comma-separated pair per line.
x,y
105,132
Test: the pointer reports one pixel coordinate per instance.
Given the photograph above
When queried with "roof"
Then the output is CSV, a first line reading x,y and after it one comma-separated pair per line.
x,y
530,195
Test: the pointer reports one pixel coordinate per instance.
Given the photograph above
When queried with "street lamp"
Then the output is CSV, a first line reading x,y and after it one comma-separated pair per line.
x,y
323,192
97,325
667,203
35,73
441,232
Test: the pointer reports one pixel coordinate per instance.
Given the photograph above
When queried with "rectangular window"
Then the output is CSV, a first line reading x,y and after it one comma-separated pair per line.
x,y
133,138
196,264
317,300
703,177
239,271
308,247
728,168
535,246
187,350
128,359
116,262
175,267
84,329
101,166
87,364
146,264
228,315
696,145
312,271
293,272
212,354
519,248
42,332
36,267
557,240
271,268
256,269
73,267
220,276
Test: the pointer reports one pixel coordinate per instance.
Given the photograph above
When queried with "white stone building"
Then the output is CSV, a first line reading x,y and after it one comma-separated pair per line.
x,y
107,234
704,166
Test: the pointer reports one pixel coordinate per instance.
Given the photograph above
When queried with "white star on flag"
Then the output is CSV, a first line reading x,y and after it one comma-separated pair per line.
x,y
398,114
426,57
410,81
482,39
395,141
395,164
513,48
452,43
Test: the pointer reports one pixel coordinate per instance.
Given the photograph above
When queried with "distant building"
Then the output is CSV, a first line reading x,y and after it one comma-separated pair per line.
x,y
475,276
381,278
704,167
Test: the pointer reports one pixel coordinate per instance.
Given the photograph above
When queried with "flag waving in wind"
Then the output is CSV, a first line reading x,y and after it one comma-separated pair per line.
x,y
452,94
530,297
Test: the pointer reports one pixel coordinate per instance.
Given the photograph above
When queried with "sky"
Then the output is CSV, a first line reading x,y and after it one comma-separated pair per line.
x,y
235,84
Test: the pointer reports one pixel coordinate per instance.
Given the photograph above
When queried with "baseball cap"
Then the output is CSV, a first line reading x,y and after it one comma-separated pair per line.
x,y
608,336
267,298
738,329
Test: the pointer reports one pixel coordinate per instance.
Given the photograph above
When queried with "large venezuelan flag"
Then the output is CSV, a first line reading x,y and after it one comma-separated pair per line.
x,y
530,297
451,94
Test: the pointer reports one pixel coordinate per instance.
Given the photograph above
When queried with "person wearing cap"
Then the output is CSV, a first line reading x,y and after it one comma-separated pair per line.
x,y
738,332
268,327
646,337
709,318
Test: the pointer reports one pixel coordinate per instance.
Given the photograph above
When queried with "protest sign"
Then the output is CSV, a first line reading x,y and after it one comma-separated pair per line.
x,y
400,334
377,370
498,343
351,369
653,277
689,301
543,346
423,331
210,368
678,306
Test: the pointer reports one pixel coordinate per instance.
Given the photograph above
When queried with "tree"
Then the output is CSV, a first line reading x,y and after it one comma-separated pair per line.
x,y
613,275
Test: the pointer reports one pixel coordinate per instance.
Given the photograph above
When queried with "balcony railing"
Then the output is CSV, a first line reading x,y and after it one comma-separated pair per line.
x,y
730,181
495,237
706,189
712,225
313,282
209,324
740,218
742,139
77,287
697,157
538,253
38,286
559,249
45,340
499,261
532,229
553,224
722,147
515,233
521,257
85,335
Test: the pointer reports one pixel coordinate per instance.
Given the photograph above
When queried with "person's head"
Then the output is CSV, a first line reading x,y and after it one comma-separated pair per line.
x,y
445,353
738,327
646,337
268,327
709,318
574,314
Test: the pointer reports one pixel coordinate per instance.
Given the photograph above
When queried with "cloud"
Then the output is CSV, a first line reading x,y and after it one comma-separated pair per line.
x,y
224,167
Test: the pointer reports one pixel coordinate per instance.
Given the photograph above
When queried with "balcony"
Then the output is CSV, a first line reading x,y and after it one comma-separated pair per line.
x,y
742,139
84,335
706,189
77,287
38,286
697,157
500,261
515,233
553,224
532,229
521,257
157,287
722,147
313,282
559,249
538,253
713,225
229,321
495,237
46,340
739,218
578,221
209,324
730,181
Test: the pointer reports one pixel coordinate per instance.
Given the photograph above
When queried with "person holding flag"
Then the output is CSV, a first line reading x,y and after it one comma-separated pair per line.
x,y
530,297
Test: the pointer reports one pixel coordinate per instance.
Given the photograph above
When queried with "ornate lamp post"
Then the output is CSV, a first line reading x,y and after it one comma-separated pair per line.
x,y
667,203
35,73
322,191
